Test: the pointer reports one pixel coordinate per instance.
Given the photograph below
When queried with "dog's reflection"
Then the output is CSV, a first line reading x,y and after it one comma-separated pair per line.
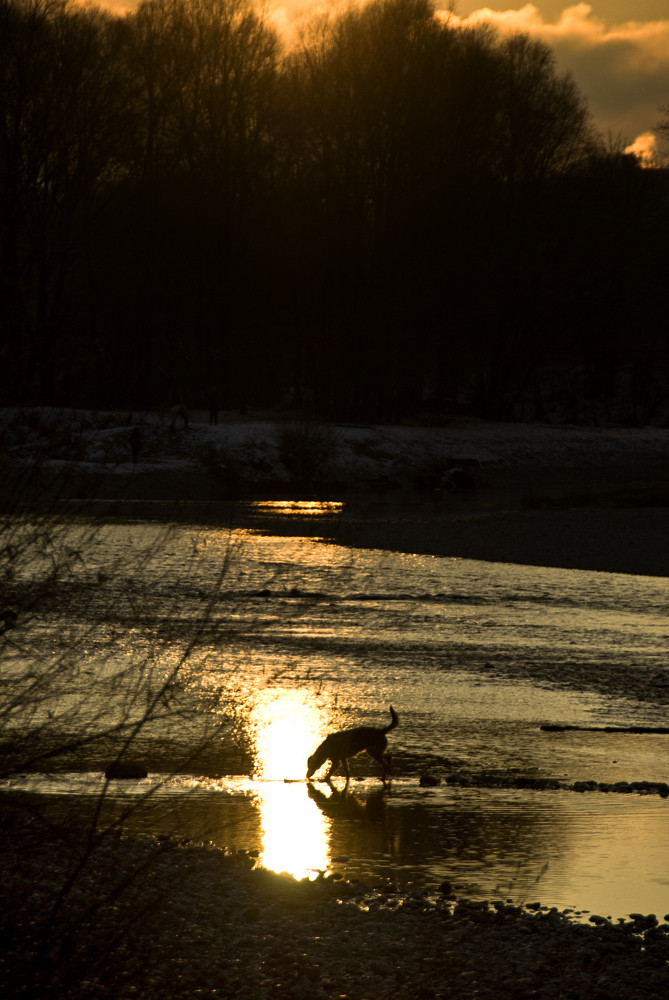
x,y
341,803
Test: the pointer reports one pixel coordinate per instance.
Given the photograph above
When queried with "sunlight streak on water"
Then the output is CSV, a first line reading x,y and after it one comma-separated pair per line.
x,y
286,725
294,831
296,508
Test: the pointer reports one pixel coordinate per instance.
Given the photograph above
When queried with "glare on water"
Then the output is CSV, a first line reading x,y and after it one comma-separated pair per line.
x,y
294,638
296,508
293,831
285,726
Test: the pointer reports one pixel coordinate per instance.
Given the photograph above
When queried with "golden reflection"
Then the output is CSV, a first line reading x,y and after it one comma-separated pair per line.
x,y
295,833
286,727
297,508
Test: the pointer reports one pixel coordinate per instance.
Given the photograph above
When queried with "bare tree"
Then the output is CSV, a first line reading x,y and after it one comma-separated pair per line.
x,y
662,127
203,72
60,100
95,680
544,127
199,162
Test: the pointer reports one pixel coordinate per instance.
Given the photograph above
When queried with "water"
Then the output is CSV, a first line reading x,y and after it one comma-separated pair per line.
x,y
250,648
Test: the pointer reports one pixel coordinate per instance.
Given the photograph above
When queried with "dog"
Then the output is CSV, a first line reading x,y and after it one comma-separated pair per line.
x,y
338,747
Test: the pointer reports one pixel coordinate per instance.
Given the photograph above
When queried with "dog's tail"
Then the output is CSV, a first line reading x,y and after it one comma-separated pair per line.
x,y
395,720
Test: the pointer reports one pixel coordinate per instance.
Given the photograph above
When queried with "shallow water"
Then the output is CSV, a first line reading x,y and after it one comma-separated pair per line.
x,y
270,642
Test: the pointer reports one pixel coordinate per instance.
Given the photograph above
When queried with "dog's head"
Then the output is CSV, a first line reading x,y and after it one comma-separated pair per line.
x,y
316,760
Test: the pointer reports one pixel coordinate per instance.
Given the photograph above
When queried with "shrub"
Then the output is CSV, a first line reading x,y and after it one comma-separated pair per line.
x,y
306,449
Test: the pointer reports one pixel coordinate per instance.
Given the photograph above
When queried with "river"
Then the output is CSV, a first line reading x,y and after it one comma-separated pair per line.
x,y
245,649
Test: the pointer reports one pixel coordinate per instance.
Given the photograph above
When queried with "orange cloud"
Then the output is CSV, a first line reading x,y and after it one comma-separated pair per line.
x,y
623,69
119,7
644,148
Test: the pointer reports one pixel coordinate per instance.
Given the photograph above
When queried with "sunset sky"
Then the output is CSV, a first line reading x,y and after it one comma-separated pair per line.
x,y
616,50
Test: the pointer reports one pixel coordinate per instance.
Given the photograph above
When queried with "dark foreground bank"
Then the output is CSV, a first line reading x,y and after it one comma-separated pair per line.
x,y
122,917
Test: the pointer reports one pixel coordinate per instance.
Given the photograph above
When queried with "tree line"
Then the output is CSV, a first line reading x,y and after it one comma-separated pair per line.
x,y
386,216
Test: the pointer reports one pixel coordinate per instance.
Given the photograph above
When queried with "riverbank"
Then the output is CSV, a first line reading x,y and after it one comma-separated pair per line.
x,y
577,498
155,919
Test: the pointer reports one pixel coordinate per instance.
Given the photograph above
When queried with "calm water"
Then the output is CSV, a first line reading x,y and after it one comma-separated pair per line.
x,y
268,643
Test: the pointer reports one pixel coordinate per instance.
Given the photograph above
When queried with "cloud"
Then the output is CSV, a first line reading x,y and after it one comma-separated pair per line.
x,y
644,148
623,69
119,7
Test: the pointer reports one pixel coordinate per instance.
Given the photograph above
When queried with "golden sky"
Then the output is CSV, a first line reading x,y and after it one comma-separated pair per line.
x,y
616,50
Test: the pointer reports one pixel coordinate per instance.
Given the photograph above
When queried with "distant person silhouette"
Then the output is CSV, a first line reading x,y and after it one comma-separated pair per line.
x,y
179,411
135,444
213,406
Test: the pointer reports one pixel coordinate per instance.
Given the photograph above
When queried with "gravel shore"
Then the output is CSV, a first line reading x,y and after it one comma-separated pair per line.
x,y
154,919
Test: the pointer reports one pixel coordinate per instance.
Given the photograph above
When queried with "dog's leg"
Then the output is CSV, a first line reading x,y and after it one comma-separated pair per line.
x,y
380,759
333,767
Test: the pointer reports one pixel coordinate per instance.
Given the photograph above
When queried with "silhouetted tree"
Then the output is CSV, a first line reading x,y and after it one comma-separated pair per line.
x,y
427,153
60,102
662,127
359,82
395,212
544,127
198,157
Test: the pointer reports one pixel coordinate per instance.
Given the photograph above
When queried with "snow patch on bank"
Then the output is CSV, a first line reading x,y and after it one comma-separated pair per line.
x,y
255,449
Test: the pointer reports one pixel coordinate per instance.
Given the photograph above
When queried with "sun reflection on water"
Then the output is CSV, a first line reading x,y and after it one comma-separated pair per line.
x,y
295,833
297,508
286,726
